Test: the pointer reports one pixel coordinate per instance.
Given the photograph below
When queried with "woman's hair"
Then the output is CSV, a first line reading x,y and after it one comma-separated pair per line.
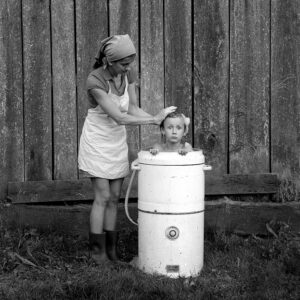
x,y
97,64
174,114
99,60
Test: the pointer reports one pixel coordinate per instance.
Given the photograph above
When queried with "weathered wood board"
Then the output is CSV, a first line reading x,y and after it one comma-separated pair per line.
x,y
73,220
220,215
64,90
91,29
124,19
11,95
50,191
37,90
249,86
152,67
285,95
211,59
66,219
241,184
249,217
178,57
80,190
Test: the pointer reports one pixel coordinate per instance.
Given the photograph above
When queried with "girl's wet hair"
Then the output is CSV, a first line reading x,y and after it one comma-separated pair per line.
x,y
174,114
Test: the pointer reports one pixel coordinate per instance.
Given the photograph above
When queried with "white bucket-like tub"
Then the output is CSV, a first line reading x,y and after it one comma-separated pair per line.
x,y
170,212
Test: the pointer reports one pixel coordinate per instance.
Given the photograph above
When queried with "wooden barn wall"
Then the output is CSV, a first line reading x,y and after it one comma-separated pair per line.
x,y
232,66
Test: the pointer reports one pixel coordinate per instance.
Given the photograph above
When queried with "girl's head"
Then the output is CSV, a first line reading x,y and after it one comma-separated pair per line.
x,y
116,51
174,127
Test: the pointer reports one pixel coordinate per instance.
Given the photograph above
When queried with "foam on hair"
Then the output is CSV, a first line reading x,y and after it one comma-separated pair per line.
x,y
174,114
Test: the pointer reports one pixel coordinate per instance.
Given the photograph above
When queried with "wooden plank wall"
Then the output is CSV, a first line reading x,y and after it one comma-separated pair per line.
x,y
91,26
64,90
11,95
232,66
285,95
152,65
249,83
37,83
178,56
211,77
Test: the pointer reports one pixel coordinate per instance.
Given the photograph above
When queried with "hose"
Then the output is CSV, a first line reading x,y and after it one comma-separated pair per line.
x,y
127,196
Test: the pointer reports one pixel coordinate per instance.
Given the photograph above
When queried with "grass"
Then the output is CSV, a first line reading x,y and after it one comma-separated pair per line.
x,y
48,265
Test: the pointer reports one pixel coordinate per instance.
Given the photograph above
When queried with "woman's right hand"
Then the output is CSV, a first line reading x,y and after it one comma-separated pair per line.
x,y
163,113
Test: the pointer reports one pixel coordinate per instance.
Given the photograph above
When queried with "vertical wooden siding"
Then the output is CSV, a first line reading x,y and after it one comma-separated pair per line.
x,y
11,95
64,90
211,59
249,86
152,65
91,27
232,66
178,56
37,80
124,18
285,95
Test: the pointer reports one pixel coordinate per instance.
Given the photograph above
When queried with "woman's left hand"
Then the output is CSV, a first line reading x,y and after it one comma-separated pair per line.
x,y
163,113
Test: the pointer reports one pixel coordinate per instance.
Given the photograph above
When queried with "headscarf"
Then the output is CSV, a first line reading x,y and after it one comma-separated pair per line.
x,y
115,48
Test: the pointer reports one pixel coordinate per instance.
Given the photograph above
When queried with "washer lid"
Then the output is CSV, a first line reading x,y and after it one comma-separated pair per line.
x,y
195,157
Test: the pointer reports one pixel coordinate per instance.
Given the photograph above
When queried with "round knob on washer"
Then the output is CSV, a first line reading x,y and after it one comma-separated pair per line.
x,y
172,233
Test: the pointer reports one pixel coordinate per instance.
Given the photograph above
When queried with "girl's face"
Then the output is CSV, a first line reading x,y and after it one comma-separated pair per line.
x,y
122,66
173,129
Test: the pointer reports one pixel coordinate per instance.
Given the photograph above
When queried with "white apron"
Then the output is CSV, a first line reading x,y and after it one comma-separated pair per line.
x,y
103,150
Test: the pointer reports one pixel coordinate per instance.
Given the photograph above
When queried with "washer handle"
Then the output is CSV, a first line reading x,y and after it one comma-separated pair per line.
x,y
135,165
207,168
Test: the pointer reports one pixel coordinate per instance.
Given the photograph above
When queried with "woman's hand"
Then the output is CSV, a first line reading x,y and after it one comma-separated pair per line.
x,y
163,113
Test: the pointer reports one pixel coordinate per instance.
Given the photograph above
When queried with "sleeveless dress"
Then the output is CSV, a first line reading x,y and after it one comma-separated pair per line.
x,y
103,150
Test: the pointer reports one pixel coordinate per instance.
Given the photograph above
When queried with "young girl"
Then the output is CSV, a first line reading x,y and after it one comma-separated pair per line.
x,y
173,128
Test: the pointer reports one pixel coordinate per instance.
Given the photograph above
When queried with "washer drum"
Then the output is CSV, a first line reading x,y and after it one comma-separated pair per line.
x,y
170,212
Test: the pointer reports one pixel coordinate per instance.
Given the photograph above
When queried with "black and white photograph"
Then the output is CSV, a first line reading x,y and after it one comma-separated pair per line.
x,y
149,149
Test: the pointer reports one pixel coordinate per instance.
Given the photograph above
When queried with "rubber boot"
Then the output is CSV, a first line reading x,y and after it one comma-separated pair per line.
x,y
98,247
111,245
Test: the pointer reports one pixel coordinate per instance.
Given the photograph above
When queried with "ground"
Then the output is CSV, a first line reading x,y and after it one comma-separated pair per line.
x,y
49,265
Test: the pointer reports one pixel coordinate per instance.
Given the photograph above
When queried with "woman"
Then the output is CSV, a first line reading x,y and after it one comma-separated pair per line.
x,y
103,151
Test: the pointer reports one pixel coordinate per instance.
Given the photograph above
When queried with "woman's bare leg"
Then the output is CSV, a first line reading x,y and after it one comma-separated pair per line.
x,y
110,214
101,188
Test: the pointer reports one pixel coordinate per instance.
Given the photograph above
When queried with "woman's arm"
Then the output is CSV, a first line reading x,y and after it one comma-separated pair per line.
x,y
111,109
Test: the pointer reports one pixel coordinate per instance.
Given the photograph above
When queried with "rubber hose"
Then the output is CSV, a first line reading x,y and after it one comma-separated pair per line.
x,y
127,196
